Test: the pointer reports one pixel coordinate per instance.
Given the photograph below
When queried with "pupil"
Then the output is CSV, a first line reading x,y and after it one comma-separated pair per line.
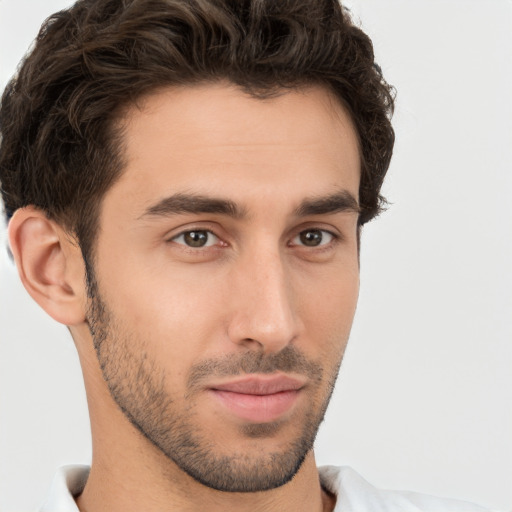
x,y
196,238
311,238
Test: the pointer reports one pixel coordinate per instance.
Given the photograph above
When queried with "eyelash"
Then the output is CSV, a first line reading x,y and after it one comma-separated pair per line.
x,y
334,238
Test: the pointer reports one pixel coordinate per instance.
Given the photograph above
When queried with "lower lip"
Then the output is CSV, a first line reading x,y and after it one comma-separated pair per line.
x,y
257,408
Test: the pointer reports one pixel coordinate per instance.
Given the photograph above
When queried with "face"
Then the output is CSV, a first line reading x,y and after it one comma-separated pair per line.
x,y
226,277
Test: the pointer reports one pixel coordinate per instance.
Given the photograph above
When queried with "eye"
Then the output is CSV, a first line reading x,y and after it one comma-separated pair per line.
x,y
313,238
196,238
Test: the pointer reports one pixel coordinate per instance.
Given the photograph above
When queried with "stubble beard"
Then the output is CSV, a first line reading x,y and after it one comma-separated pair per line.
x,y
138,386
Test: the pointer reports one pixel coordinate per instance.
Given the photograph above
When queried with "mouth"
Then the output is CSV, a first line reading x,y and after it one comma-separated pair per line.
x,y
258,399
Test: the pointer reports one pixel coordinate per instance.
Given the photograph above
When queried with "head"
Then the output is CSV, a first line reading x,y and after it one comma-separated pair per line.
x,y
212,162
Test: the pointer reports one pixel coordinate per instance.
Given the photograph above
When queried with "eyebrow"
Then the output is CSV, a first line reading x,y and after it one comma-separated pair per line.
x,y
195,204
342,201
176,204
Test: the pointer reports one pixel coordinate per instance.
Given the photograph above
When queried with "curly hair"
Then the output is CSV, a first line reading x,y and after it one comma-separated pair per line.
x,y
60,146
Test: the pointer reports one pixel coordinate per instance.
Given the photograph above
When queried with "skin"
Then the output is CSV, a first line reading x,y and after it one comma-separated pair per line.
x,y
256,291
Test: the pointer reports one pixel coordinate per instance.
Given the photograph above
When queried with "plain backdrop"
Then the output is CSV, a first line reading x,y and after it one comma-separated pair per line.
x,y
424,401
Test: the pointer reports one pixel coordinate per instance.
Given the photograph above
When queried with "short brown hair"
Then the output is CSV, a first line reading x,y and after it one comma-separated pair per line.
x,y
59,148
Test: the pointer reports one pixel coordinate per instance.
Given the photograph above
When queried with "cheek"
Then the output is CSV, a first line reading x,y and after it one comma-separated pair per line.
x,y
173,312
328,310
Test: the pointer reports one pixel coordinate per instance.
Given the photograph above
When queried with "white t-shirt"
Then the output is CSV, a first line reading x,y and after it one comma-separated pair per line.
x,y
354,494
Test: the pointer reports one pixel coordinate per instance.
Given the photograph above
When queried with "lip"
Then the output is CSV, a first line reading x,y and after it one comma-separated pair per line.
x,y
258,399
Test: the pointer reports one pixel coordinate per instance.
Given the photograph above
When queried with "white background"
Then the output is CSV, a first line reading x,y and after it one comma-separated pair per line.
x,y
424,401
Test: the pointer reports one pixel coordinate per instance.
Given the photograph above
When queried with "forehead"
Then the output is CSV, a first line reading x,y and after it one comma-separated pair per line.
x,y
216,139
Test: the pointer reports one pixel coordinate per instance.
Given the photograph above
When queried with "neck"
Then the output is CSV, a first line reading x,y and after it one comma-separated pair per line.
x,y
129,484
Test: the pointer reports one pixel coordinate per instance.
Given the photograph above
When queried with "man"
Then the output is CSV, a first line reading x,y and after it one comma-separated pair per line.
x,y
186,183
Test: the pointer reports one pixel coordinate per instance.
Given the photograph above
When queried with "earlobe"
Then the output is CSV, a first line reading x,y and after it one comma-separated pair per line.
x,y
49,264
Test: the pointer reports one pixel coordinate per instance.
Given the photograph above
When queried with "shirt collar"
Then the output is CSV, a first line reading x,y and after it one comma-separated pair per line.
x,y
69,482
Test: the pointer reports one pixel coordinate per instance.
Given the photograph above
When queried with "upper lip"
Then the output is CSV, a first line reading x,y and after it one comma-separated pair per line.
x,y
260,385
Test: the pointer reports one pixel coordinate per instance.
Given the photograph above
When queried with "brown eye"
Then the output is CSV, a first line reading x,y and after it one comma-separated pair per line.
x,y
196,238
313,238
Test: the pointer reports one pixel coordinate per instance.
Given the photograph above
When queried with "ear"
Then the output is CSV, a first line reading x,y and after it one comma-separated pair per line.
x,y
50,265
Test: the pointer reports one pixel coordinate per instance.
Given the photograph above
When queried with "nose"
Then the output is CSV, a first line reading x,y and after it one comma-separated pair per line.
x,y
263,314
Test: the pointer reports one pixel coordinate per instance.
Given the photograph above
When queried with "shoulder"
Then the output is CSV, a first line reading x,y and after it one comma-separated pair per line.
x,y
355,494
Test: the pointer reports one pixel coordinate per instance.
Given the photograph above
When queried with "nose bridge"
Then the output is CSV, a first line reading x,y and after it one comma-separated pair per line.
x,y
264,311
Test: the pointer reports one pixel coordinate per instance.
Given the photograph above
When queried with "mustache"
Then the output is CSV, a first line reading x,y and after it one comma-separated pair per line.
x,y
288,360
